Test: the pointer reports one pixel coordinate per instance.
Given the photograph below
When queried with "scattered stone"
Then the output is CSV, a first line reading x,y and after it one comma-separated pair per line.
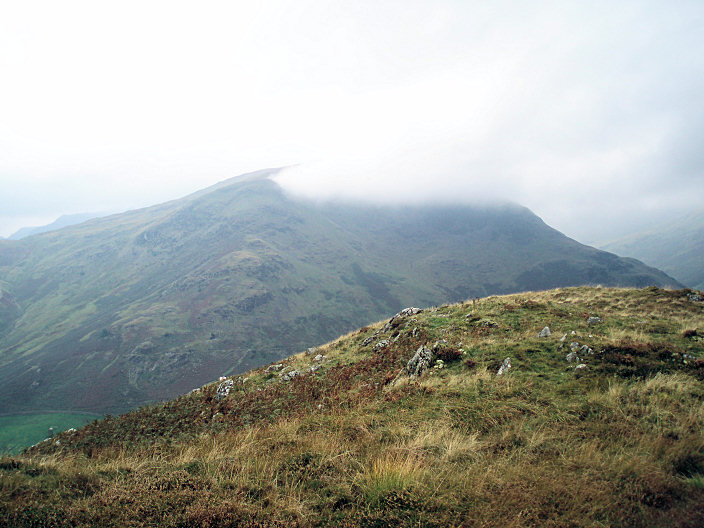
x,y
505,366
574,345
381,344
585,350
311,351
580,366
276,367
573,332
409,311
320,406
420,361
439,363
222,378
545,332
695,297
368,340
288,376
224,389
57,443
72,430
572,357
415,331
315,367
563,338
593,321
319,357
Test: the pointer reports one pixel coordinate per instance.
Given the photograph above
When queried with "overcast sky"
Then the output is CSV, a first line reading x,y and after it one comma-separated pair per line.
x,y
590,113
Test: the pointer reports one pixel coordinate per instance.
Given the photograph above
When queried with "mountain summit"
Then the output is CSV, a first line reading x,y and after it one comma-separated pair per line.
x,y
145,305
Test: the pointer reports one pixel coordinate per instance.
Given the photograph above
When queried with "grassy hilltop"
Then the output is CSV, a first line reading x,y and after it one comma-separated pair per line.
x,y
354,441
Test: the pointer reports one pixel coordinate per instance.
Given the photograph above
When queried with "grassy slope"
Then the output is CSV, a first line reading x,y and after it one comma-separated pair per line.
x,y
677,248
357,443
145,305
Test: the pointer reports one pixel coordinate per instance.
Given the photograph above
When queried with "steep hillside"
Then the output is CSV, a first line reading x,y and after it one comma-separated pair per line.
x,y
676,247
145,305
599,422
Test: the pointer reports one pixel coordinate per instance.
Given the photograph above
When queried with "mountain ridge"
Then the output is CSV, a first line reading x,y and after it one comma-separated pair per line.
x,y
141,306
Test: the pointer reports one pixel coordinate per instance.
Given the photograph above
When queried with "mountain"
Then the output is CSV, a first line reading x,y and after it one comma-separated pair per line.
x,y
62,221
599,423
142,306
676,247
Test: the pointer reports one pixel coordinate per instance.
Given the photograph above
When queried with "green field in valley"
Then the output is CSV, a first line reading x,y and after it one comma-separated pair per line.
x,y
23,430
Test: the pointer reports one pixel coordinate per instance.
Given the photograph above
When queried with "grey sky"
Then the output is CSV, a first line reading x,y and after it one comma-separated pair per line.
x,y
589,113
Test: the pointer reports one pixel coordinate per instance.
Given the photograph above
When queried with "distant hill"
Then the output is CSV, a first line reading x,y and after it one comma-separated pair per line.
x,y
62,221
144,305
676,247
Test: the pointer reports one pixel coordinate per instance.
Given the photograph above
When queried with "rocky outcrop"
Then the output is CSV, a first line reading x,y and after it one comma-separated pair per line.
x,y
224,389
420,361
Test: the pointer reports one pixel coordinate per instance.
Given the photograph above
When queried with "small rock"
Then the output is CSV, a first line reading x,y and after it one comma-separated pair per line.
x,y
276,367
57,443
585,350
410,311
695,297
367,340
311,351
420,361
224,389
288,376
563,338
222,378
545,332
505,366
580,366
313,368
381,344
593,321
319,357
574,345
572,357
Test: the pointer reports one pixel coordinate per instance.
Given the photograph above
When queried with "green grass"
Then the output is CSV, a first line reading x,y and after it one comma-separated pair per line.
x,y
359,444
24,430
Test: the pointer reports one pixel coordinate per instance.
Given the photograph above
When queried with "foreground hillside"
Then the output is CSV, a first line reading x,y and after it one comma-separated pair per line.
x,y
143,306
600,423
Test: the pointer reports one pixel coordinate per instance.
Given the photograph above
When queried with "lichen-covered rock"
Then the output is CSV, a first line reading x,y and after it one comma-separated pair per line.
x,y
586,351
420,361
505,367
224,389
545,332
593,321
381,344
288,376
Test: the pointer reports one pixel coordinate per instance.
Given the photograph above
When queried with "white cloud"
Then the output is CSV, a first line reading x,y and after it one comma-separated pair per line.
x,y
576,110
